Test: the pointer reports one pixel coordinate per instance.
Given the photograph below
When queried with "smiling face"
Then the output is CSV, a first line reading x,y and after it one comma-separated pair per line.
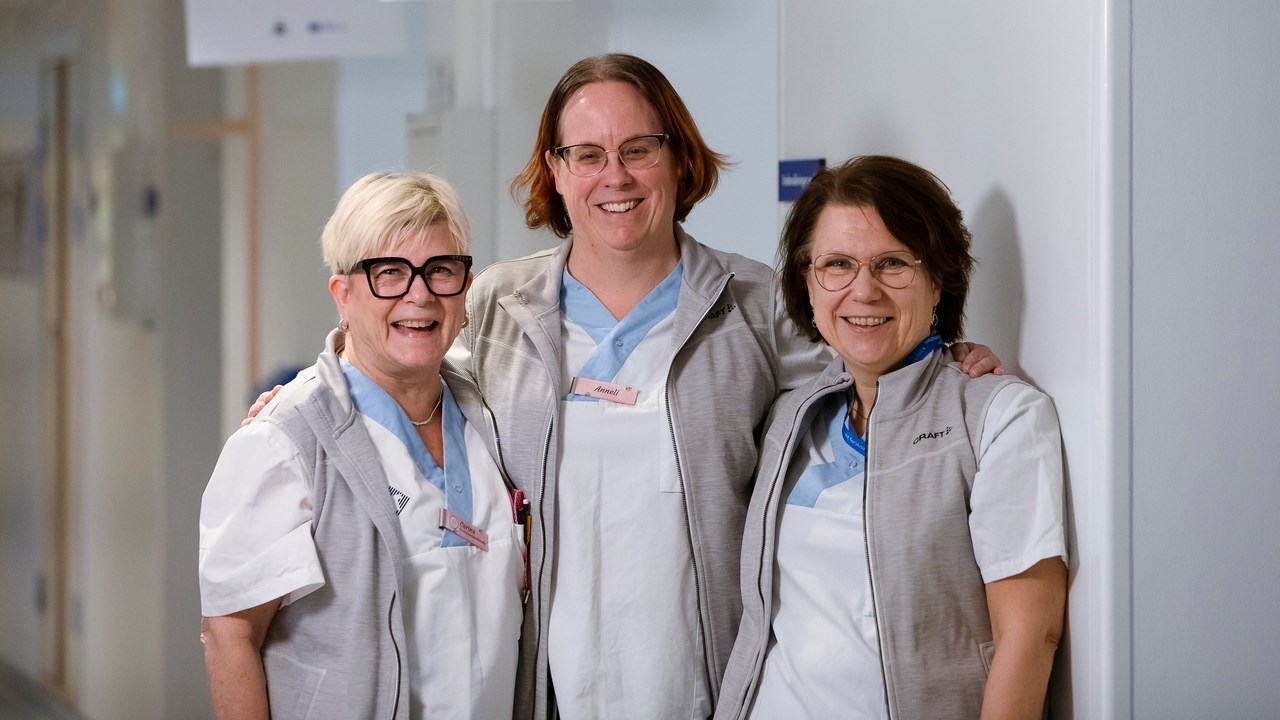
x,y
399,343
872,327
620,209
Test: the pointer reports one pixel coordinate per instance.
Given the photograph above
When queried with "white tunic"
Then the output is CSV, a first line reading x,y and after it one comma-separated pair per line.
x,y
623,638
823,658
461,605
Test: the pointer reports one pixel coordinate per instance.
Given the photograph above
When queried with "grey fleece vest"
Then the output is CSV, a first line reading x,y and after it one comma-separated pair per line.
x,y
928,594
339,652
723,380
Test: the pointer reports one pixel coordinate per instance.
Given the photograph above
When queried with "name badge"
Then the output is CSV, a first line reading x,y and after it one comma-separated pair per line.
x,y
605,391
463,529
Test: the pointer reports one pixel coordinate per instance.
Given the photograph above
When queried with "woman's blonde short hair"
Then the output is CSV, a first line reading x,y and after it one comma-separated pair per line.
x,y
381,209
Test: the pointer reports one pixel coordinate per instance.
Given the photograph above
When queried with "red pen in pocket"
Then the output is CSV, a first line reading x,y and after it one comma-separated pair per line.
x,y
520,515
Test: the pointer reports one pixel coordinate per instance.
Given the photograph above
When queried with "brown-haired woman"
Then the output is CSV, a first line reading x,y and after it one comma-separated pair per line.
x,y
904,548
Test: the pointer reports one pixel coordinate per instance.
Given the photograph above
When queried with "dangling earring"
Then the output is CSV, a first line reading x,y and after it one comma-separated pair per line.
x,y
935,317
343,325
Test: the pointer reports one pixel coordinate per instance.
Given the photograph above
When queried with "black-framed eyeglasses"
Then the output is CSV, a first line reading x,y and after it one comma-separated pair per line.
x,y
836,271
391,277
638,153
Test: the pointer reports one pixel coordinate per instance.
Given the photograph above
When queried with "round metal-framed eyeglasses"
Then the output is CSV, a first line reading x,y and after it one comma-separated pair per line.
x,y
836,271
638,153
391,277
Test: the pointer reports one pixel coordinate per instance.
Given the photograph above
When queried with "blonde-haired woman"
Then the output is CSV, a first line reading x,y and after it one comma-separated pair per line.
x,y
360,550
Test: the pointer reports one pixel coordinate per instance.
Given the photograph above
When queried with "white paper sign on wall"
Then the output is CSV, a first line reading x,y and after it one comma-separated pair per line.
x,y
243,32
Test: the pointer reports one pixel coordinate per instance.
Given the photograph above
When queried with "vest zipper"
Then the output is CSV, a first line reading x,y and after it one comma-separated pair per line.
x,y
542,525
684,493
511,486
871,585
766,623
395,705
693,560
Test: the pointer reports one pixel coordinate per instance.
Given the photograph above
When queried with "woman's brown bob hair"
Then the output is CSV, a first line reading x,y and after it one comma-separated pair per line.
x,y
698,167
916,208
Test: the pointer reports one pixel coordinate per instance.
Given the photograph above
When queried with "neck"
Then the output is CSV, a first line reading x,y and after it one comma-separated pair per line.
x,y
864,395
621,279
419,403
417,390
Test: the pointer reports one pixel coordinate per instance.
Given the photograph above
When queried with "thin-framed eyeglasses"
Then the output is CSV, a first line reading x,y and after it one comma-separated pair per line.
x,y
638,153
391,277
836,271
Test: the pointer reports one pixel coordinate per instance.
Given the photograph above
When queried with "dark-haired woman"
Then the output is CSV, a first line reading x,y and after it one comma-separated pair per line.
x,y
904,554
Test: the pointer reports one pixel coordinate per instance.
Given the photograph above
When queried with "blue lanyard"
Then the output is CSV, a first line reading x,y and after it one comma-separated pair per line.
x,y
921,351
851,438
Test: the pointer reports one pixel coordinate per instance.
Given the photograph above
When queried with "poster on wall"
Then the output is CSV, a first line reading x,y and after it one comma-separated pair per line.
x,y
246,32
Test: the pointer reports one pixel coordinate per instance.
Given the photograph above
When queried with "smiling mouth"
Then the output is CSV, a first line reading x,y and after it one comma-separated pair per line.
x,y
416,324
866,321
619,207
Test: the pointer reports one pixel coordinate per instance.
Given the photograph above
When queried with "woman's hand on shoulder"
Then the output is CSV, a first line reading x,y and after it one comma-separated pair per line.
x,y
976,360
266,397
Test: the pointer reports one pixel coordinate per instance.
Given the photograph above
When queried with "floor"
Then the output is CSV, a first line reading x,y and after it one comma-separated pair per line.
x,y
22,698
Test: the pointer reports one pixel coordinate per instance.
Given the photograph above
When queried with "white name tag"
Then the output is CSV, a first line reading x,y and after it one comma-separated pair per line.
x,y
605,391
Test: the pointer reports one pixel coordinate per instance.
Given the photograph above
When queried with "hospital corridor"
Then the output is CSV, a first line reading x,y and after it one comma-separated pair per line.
x,y
167,168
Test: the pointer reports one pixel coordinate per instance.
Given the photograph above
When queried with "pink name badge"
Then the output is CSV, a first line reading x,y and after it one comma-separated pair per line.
x,y
463,529
601,390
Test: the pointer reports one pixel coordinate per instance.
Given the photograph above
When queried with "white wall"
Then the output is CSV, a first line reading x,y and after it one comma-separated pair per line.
x,y
1206,175
299,160
722,57
1006,102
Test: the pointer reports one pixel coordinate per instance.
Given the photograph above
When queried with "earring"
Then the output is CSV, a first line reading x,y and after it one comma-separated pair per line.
x,y
466,321
813,323
935,317
343,325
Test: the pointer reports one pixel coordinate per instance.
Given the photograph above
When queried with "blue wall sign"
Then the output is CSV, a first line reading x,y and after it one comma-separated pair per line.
x,y
794,175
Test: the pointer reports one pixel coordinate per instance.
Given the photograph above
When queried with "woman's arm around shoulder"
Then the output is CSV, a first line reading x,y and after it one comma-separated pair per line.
x,y
976,359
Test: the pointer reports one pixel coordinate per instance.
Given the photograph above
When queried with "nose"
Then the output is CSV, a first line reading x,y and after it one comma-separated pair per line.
x,y
418,292
864,285
615,172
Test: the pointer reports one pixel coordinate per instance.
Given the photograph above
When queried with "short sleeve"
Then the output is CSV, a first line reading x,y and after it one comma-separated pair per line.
x,y
1016,507
255,525
799,359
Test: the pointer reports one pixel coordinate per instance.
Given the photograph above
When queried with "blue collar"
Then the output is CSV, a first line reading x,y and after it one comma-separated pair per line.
x,y
454,480
616,339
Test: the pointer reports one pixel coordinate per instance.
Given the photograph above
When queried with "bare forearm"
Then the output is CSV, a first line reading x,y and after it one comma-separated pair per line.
x,y
1026,619
233,659
1018,680
237,682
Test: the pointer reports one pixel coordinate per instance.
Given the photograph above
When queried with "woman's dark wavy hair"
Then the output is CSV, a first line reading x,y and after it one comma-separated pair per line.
x,y
698,166
916,208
